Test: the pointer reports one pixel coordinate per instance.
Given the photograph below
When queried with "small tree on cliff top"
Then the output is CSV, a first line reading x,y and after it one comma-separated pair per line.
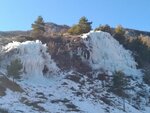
x,y
84,26
38,28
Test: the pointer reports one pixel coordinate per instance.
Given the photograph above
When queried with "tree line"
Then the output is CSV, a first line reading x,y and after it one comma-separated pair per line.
x,y
83,26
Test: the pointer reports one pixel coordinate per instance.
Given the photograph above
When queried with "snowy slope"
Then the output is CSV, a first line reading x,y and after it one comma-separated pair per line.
x,y
68,92
106,53
62,95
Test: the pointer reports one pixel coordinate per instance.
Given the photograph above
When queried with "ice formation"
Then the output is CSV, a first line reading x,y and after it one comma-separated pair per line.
x,y
106,53
33,55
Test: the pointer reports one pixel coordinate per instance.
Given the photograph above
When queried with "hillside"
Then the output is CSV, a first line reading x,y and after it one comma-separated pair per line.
x,y
65,75
4,34
51,29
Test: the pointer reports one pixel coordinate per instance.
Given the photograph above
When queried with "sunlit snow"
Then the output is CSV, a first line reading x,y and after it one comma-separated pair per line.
x,y
106,53
33,55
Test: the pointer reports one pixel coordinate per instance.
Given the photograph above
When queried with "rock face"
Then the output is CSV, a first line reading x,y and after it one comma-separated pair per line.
x,y
53,29
66,52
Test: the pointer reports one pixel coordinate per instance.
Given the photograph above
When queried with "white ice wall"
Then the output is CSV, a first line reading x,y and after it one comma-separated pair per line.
x,y
33,56
106,53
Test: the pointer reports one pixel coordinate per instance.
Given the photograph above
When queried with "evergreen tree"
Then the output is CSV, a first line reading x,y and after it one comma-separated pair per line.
x,y
85,25
120,84
104,28
38,28
14,69
82,27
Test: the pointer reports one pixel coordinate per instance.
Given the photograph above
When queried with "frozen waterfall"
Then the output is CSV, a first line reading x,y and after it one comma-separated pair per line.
x,y
33,55
106,53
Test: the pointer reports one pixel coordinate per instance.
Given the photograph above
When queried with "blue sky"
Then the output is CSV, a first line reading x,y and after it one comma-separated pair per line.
x,y
20,14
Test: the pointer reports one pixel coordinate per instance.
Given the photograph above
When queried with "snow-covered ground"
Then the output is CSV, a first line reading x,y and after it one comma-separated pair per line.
x,y
67,92
58,94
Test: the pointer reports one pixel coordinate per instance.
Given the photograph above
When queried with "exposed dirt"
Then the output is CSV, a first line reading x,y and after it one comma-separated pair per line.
x,y
5,83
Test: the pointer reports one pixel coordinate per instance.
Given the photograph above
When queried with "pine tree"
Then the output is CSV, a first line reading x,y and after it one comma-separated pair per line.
x,y
14,69
83,26
120,84
38,28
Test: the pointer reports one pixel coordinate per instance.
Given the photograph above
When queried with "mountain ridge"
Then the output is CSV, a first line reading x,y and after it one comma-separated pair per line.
x,y
55,28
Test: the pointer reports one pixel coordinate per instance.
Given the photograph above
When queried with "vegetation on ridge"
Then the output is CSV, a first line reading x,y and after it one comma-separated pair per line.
x,y
84,26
